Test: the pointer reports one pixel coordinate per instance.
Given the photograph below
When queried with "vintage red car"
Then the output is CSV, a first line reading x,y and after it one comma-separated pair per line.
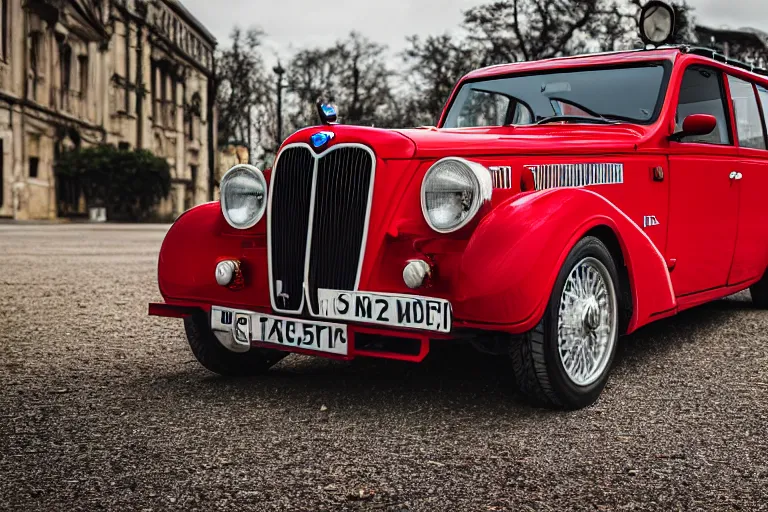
x,y
557,205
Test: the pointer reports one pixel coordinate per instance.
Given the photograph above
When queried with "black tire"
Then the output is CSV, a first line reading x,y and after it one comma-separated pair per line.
x,y
216,358
536,361
759,292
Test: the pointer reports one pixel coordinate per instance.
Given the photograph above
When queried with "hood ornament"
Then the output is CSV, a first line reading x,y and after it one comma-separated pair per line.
x,y
320,139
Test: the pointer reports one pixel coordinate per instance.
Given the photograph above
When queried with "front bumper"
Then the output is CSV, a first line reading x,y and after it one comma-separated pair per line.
x,y
361,340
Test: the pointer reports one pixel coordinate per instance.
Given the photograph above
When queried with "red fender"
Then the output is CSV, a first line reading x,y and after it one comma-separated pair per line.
x,y
510,265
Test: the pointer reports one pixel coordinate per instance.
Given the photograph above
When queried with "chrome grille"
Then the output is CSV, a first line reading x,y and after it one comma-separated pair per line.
x,y
333,218
576,175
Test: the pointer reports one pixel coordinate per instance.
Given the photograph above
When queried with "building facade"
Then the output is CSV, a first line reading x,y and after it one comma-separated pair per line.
x,y
745,44
73,73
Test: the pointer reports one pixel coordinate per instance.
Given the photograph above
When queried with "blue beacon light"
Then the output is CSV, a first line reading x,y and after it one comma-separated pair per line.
x,y
327,113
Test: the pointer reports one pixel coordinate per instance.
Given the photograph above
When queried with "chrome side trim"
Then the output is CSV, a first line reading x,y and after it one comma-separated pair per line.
x,y
576,175
308,249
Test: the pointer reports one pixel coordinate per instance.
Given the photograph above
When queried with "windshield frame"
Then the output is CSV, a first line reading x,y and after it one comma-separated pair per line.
x,y
666,64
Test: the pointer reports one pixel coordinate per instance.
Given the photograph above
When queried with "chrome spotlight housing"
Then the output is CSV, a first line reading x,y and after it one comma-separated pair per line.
x,y
657,23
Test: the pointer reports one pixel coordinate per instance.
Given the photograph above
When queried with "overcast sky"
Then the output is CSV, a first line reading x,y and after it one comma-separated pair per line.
x,y
295,24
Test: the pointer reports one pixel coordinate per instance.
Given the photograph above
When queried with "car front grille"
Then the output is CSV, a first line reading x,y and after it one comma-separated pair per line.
x,y
333,220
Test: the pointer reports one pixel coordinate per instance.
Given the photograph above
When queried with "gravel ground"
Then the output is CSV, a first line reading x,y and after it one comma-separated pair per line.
x,y
103,407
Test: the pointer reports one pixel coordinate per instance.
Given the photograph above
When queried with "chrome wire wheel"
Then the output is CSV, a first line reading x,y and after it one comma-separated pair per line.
x,y
587,322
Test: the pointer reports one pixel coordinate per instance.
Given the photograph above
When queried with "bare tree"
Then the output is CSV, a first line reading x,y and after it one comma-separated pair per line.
x,y
242,88
351,73
433,66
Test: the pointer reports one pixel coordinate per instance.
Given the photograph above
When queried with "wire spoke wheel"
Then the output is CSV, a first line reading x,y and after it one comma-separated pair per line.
x,y
587,322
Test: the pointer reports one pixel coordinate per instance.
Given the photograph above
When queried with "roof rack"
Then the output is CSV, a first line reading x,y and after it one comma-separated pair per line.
x,y
713,54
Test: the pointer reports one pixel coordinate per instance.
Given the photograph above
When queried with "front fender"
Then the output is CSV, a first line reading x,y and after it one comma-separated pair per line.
x,y
196,242
510,265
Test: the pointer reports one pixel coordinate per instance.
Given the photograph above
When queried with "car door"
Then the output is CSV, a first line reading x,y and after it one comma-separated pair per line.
x,y
751,254
703,197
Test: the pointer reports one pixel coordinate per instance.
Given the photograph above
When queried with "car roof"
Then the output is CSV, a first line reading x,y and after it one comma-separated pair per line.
x,y
594,59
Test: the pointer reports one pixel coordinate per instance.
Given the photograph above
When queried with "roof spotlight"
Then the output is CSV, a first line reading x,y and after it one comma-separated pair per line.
x,y
657,23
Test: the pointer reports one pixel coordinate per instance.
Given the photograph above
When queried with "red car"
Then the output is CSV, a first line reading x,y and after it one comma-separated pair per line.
x,y
557,205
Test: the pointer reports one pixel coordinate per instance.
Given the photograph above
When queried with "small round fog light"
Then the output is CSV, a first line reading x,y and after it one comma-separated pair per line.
x,y
225,272
415,272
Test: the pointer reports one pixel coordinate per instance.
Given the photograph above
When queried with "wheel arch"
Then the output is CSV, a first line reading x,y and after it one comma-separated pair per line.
x,y
610,239
511,263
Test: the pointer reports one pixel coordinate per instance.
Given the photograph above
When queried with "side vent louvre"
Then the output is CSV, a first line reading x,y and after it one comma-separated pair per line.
x,y
576,175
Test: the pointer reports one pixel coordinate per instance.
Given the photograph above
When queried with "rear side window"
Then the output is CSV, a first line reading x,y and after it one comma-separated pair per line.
x,y
749,123
702,93
762,93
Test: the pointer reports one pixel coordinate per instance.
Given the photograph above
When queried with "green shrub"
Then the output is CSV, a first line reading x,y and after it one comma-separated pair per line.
x,y
129,184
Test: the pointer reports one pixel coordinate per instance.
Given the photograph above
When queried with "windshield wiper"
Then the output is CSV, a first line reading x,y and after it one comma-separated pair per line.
x,y
592,113
576,119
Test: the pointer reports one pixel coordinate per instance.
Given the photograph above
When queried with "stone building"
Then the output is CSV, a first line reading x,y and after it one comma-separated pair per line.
x,y
745,44
133,73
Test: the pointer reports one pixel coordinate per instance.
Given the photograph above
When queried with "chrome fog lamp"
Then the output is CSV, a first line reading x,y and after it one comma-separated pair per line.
x,y
243,196
657,23
415,272
452,193
226,271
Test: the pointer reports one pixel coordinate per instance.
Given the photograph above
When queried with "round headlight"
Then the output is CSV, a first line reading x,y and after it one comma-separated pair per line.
x,y
452,193
243,196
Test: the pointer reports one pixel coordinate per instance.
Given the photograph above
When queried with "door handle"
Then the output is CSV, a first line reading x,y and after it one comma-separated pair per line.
x,y
735,175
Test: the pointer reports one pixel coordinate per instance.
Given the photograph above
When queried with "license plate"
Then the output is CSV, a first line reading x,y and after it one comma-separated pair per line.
x,y
410,311
247,326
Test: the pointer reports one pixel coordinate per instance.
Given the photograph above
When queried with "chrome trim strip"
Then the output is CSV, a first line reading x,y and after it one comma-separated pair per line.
x,y
312,198
576,175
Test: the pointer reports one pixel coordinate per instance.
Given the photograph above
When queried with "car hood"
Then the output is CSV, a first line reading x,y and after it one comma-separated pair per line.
x,y
572,139
430,143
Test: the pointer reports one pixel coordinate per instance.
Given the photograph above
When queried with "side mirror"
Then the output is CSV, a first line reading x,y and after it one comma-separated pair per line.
x,y
695,124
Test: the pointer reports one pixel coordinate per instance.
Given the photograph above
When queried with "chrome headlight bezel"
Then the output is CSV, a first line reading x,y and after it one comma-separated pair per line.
x,y
482,191
250,172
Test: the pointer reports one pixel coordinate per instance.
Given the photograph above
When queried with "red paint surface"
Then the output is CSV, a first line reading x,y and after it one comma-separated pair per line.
x,y
498,272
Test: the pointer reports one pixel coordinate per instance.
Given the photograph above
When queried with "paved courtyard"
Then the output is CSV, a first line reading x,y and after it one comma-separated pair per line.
x,y
102,407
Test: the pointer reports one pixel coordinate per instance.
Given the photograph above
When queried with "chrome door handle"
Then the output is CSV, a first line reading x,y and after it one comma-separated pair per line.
x,y
735,175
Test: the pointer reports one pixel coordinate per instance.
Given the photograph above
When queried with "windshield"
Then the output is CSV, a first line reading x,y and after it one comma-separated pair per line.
x,y
629,93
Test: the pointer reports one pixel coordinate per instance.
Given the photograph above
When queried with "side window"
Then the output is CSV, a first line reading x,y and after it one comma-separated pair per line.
x,y
487,108
702,93
484,109
749,124
762,93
